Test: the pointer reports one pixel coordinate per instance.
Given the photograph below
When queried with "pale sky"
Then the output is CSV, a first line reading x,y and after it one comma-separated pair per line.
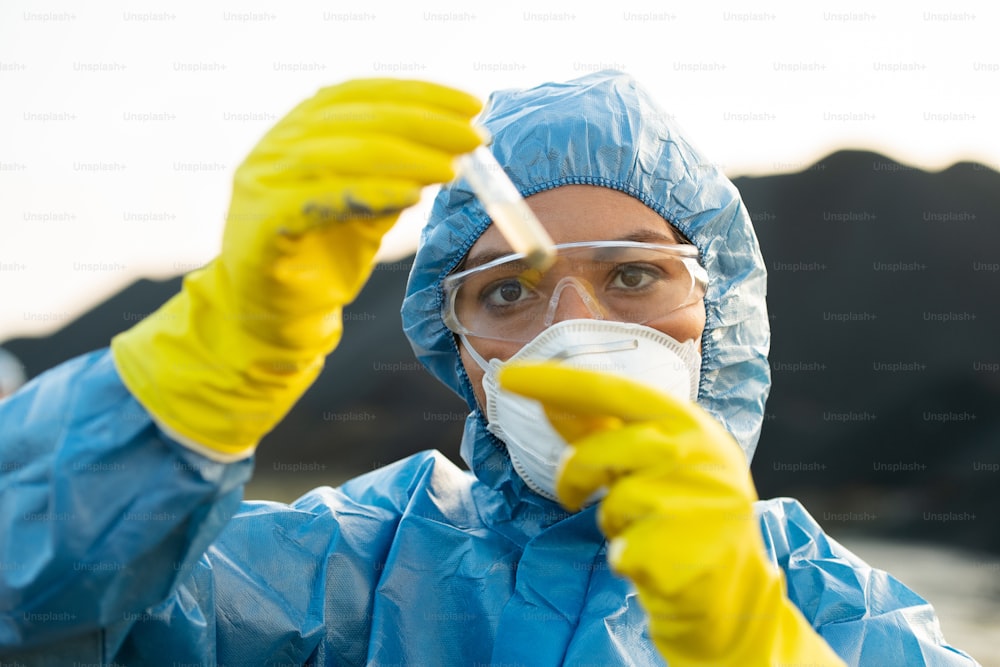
x,y
121,123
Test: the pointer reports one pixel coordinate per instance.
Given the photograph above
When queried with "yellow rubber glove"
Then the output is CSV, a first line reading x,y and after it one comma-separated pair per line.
x,y
222,362
679,515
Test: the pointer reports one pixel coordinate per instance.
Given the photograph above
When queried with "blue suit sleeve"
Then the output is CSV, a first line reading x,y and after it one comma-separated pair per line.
x,y
282,585
867,616
100,513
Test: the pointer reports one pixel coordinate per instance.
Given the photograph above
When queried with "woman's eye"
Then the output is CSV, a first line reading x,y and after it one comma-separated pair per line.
x,y
632,277
506,293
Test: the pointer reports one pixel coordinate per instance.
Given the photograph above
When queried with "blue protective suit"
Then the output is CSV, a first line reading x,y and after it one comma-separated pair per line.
x,y
118,545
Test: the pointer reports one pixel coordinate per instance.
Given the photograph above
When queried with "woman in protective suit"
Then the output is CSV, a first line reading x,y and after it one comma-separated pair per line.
x,y
608,516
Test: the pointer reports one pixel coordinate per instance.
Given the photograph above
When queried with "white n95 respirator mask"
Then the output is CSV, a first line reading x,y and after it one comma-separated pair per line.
x,y
634,351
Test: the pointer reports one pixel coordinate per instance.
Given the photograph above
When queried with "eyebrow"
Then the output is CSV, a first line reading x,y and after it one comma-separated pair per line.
x,y
487,255
651,236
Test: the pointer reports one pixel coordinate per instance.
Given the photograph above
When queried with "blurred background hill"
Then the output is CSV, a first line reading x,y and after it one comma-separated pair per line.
x,y
883,285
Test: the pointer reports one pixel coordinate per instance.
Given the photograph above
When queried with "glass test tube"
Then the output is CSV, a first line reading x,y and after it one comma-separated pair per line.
x,y
507,208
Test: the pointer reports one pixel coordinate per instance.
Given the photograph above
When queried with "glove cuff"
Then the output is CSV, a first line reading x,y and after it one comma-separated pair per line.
x,y
745,620
775,631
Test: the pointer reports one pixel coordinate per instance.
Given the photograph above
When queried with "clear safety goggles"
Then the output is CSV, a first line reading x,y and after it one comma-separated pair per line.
x,y
622,281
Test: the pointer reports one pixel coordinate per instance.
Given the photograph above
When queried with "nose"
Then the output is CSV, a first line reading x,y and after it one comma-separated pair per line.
x,y
572,300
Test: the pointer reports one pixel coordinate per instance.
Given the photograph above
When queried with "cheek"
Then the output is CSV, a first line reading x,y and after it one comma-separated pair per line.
x,y
475,374
488,350
684,324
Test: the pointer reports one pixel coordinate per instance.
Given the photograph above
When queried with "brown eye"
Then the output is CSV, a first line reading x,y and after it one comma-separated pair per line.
x,y
510,292
635,277
631,276
505,293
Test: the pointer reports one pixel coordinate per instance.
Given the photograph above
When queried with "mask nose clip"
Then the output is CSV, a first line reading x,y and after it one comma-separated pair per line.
x,y
585,295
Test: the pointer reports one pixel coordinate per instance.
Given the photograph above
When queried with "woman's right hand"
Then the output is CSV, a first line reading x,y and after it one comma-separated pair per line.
x,y
222,362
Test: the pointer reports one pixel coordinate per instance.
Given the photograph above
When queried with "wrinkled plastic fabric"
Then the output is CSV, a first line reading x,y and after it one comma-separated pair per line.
x,y
417,563
120,546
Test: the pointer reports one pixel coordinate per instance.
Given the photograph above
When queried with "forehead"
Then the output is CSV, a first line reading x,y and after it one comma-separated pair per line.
x,y
572,213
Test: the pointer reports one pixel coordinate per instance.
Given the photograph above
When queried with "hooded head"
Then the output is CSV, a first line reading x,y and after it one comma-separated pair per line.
x,y
603,129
